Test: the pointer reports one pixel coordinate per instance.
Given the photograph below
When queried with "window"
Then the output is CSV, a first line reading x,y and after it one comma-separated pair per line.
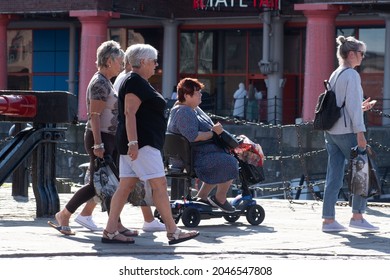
x,y
235,51
255,50
187,52
375,55
372,68
19,59
50,59
205,53
218,58
152,36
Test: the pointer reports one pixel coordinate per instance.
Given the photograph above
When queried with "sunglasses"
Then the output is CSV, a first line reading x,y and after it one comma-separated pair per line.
x,y
363,54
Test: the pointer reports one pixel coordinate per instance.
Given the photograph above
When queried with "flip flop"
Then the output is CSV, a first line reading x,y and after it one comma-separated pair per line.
x,y
129,232
66,230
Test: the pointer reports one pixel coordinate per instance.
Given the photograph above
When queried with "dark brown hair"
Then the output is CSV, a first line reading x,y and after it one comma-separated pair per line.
x,y
188,86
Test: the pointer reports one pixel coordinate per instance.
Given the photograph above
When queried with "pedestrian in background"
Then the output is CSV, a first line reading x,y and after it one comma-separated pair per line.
x,y
239,101
347,132
252,108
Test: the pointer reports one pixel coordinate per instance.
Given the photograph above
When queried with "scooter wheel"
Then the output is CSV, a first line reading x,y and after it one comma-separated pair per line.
x,y
231,218
190,217
156,214
255,214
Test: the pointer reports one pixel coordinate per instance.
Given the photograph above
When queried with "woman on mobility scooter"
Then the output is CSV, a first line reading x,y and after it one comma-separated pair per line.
x,y
213,165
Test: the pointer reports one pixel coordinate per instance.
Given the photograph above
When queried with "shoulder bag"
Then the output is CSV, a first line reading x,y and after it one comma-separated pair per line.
x,y
226,140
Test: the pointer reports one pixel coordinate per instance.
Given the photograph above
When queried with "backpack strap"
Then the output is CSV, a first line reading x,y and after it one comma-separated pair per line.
x,y
342,106
336,82
339,76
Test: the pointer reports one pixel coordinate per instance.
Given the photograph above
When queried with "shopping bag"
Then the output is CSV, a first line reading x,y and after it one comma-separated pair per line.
x,y
362,173
105,181
249,151
251,159
142,194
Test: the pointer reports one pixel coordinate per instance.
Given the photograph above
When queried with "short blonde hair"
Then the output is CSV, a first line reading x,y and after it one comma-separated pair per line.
x,y
107,50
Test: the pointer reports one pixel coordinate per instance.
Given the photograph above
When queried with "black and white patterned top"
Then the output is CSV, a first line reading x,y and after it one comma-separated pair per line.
x,y
100,88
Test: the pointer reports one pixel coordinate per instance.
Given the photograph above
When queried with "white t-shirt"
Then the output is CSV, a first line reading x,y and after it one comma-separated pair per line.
x,y
119,80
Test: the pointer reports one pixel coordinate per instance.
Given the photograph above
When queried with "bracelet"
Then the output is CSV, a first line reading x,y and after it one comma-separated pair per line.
x,y
98,146
131,143
94,113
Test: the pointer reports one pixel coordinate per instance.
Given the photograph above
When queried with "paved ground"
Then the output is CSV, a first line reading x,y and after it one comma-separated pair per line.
x,y
289,232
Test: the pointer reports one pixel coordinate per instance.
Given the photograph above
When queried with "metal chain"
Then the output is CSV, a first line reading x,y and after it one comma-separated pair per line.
x,y
378,145
379,112
286,186
296,156
304,165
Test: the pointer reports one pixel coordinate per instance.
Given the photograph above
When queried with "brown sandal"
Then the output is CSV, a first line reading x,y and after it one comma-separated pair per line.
x,y
181,236
111,238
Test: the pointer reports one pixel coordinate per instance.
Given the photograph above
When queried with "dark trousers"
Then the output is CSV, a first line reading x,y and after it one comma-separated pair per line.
x,y
87,192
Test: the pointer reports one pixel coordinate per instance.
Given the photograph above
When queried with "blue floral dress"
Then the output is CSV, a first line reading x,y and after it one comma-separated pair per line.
x,y
212,164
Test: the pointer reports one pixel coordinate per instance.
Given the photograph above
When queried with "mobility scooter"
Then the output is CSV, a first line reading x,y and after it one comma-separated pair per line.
x,y
190,211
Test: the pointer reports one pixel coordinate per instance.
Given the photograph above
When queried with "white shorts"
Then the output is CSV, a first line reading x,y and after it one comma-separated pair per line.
x,y
148,165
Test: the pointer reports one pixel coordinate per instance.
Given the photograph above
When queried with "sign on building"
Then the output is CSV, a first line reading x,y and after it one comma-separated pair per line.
x,y
261,4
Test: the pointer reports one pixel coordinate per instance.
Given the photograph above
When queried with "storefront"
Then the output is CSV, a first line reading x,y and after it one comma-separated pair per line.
x,y
222,43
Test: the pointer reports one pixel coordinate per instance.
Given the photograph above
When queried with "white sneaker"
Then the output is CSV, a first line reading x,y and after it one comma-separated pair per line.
x,y
362,224
155,225
87,222
333,227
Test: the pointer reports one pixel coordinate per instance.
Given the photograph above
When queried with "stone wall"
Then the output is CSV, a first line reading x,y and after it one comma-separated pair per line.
x,y
290,150
295,150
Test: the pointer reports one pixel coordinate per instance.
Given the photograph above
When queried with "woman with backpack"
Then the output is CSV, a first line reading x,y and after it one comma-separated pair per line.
x,y
346,133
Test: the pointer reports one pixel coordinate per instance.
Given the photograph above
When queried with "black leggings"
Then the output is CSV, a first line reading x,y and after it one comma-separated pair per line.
x,y
87,192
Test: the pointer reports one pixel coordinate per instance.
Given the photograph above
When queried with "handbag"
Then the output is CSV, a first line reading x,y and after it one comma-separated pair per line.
x,y
362,176
105,181
227,140
251,173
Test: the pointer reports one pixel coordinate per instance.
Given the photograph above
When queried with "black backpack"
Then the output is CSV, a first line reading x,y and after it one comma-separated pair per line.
x,y
327,112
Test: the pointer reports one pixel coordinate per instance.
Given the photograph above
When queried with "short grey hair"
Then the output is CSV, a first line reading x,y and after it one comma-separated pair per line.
x,y
137,52
109,49
347,44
